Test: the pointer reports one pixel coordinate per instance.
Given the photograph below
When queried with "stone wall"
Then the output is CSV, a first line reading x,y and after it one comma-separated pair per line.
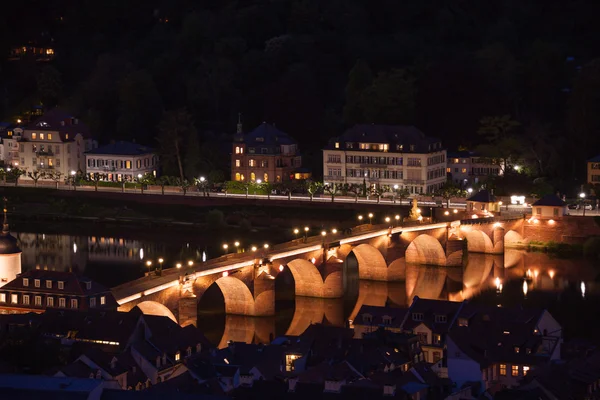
x,y
569,229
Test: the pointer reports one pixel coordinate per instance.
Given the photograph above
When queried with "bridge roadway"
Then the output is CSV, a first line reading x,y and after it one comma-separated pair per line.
x,y
152,283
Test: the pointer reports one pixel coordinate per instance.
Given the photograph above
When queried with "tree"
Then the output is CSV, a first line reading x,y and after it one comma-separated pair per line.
x,y
146,179
379,191
184,184
333,189
95,178
312,187
173,128
390,99
49,85
502,144
216,176
401,194
355,189
55,176
496,128
35,176
448,191
140,106
359,79
163,181
16,173
191,159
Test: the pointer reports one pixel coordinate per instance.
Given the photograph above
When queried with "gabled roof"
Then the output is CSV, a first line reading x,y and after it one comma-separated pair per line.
x,y
551,200
483,196
74,284
61,121
379,313
266,135
122,149
595,159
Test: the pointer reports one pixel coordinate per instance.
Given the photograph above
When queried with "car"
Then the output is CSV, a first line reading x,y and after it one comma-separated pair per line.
x,y
573,206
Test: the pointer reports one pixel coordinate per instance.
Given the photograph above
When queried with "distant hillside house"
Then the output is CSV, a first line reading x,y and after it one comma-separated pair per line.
x,y
593,171
265,154
386,155
121,161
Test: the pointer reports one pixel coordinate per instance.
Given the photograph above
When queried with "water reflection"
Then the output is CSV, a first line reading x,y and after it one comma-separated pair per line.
x,y
510,279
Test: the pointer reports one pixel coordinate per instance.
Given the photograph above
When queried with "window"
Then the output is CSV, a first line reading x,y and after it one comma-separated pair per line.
x,y
14,298
177,356
367,318
441,319
25,281
92,302
266,177
463,322
49,136
237,176
502,369
36,282
514,370
62,302
422,337
73,303
337,145
38,301
252,176
26,299
525,370
48,284
49,301
88,285
437,339
188,352
34,136
68,149
128,164
238,163
2,297
538,210
417,316
61,285
387,320
252,163
41,136
290,360
516,349
464,170
102,300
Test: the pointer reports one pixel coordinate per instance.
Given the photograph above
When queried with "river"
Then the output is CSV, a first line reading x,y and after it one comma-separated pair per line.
x,y
568,288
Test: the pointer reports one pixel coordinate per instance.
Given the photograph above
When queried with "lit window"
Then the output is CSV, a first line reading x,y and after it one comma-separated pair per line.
x,y
102,300
36,282
516,350
66,136
48,284
515,370
177,356
337,145
49,301
73,303
41,136
92,302
238,163
14,298
128,164
237,176
266,177
38,301
25,282
34,136
448,170
502,369
252,163
290,360
26,299
237,150
49,136
252,176
464,170
463,322
2,297
62,302
61,285
525,370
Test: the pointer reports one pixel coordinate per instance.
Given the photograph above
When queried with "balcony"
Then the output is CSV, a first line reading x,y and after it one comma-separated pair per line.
x,y
45,167
333,178
373,165
414,182
45,153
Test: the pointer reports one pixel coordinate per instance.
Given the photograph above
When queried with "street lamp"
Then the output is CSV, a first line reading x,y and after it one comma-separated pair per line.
x,y
203,185
296,231
253,248
149,264
395,192
237,245
397,218
334,231
266,246
306,234
387,220
370,218
582,196
360,218
258,182
73,179
225,247
470,190
178,265
190,263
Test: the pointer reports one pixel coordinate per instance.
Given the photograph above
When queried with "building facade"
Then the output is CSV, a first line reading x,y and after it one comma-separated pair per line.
x,y
55,142
466,168
386,155
121,161
265,154
593,171
37,290
10,254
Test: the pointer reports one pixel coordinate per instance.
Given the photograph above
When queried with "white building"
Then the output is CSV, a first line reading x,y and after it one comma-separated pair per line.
x,y
466,168
386,155
55,142
121,161
9,147
10,256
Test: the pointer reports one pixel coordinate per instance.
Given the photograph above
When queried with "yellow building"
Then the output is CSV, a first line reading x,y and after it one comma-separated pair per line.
x,y
593,171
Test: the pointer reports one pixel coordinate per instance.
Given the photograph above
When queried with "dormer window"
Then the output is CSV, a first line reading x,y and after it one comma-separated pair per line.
x,y
188,351
260,139
198,348
41,136
61,285
349,145
417,316
463,322
33,136
88,285
25,281
517,349
66,136
527,351
48,284
367,318
412,147
177,356
441,319
387,320
399,147
337,145
36,282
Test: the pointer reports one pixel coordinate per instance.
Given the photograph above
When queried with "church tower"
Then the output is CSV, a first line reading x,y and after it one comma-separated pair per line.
x,y
10,253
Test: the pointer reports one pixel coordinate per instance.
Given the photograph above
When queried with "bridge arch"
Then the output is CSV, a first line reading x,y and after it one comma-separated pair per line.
x,y
479,242
238,298
512,237
426,249
156,308
371,263
307,278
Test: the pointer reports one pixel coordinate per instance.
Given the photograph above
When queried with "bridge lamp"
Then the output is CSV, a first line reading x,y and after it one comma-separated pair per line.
x,y
160,261
323,233
387,219
225,247
178,265
190,263
446,212
334,231
370,218
455,211
296,231
236,244
360,218
266,245
253,248
280,268
225,274
148,263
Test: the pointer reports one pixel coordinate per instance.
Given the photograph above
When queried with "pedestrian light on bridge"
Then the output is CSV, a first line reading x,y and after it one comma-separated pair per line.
x,y
253,248
225,247
296,231
190,263
178,265
370,218
360,218
334,231
266,246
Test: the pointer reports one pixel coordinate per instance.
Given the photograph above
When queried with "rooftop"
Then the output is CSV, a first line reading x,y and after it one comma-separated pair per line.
x,y
483,196
61,121
74,284
122,149
266,135
595,159
550,200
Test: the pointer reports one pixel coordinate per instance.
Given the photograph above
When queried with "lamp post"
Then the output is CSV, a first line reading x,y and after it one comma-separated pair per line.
x,y
237,246
296,231
160,262
258,182
225,247
395,192
203,185
149,265
360,218
190,263
582,196
387,220
73,173
470,190
306,229
323,234
397,218
370,218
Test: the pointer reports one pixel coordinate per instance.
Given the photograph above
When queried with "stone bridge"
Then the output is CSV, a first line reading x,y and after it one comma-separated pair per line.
x,y
319,266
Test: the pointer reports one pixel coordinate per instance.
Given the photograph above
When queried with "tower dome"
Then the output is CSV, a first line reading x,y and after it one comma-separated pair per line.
x,y
8,243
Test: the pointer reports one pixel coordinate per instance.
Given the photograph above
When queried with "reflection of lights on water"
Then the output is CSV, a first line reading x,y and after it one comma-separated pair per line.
x,y
225,274
280,268
497,282
141,254
551,273
204,256
528,273
500,288
525,288
582,289
313,260
74,247
536,273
